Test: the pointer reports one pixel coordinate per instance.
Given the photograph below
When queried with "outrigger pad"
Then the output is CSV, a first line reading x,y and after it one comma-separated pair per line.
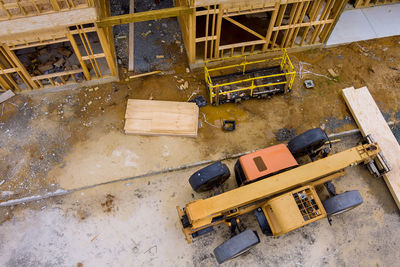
x,y
236,245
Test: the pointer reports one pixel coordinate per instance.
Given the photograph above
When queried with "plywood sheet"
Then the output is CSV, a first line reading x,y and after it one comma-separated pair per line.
x,y
150,117
371,121
6,95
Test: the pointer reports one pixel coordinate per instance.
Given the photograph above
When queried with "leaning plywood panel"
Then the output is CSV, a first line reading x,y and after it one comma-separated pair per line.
x,y
370,121
150,117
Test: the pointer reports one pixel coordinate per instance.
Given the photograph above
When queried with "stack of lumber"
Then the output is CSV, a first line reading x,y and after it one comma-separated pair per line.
x,y
150,117
371,122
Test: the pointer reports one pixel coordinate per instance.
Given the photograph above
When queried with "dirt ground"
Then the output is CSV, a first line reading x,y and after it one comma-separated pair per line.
x,y
72,139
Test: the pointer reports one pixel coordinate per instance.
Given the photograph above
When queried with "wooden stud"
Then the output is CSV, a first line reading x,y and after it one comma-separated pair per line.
x,y
91,60
207,29
219,24
271,26
315,8
51,81
300,21
55,5
79,56
91,52
324,15
25,75
295,21
279,22
9,78
107,51
131,47
213,32
291,17
192,37
35,6
328,30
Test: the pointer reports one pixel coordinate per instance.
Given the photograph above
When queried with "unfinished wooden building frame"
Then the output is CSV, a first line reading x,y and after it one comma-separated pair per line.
x,y
224,28
41,23
371,3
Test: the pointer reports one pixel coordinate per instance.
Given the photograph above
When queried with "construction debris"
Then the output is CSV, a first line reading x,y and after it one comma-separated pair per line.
x,y
6,95
333,73
309,84
145,74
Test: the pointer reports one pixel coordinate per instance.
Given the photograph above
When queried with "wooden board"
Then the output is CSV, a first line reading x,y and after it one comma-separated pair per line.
x,y
131,64
39,25
6,95
370,121
150,117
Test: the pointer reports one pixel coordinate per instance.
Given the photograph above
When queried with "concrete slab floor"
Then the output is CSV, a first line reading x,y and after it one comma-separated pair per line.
x,y
69,139
135,224
365,24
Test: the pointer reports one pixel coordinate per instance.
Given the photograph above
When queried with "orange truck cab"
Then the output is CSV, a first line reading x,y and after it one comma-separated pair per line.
x,y
263,163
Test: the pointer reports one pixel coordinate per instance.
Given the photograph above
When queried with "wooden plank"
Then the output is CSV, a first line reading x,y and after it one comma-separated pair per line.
x,y
218,33
107,51
50,22
144,74
20,67
149,117
145,16
6,95
131,64
79,56
271,26
371,121
56,74
244,28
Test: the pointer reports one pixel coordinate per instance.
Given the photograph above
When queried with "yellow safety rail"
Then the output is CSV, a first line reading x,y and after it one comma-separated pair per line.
x,y
285,64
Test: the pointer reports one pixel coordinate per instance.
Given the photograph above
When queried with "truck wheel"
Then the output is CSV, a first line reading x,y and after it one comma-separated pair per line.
x,y
209,177
239,174
236,245
307,142
342,202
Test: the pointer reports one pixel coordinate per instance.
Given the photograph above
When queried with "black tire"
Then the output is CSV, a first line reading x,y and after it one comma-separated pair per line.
x,y
262,222
307,142
342,202
209,177
236,245
239,174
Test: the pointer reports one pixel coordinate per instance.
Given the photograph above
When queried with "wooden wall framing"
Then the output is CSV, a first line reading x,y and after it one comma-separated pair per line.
x,y
13,9
292,23
371,3
13,74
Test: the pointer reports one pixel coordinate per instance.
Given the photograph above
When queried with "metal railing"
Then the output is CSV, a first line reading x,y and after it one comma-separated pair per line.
x,y
282,60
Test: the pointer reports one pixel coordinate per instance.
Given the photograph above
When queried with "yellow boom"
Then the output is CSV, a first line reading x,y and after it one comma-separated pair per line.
x,y
214,210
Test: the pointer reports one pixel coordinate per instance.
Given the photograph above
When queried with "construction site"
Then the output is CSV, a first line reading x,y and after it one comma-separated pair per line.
x,y
199,133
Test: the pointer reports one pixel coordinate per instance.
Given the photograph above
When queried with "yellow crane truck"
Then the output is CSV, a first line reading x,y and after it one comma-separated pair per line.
x,y
279,191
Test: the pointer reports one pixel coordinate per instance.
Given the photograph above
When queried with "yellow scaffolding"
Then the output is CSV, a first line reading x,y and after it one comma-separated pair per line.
x,y
282,60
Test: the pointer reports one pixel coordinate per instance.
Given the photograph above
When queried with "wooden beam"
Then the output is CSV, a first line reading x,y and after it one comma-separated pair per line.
x,y
218,33
56,74
271,25
371,122
245,28
131,56
20,67
107,51
145,16
79,56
